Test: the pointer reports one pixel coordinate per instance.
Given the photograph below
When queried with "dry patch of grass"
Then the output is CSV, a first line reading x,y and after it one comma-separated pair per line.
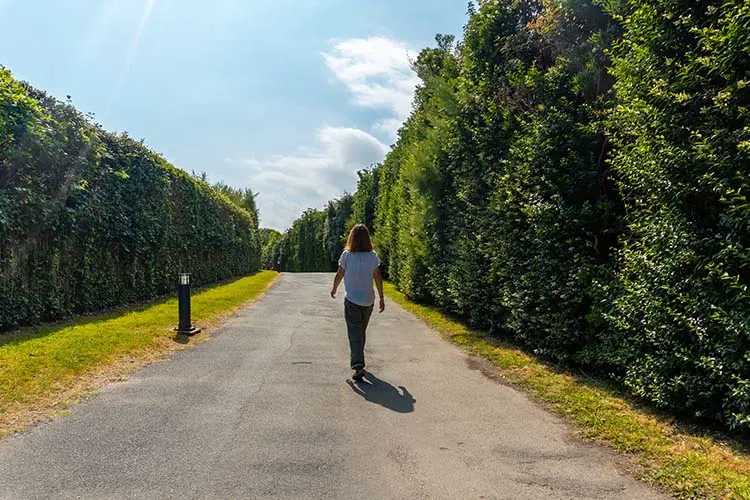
x,y
45,369
686,463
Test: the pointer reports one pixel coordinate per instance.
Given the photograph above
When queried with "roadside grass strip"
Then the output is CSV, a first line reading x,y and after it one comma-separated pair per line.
x,y
44,369
685,462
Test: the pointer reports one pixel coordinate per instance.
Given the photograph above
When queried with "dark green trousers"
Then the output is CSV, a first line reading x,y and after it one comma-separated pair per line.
x,y
357,318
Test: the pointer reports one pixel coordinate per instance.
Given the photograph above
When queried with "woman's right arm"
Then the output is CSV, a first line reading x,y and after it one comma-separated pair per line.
x,y
379,283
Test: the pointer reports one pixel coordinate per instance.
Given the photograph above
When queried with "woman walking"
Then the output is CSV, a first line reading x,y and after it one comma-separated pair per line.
x,y
358,266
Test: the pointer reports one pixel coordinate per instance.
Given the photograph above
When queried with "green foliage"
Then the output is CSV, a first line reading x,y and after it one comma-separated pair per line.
x,y
498,181
303,247
363,200
315,240
682,127
91,220
269,241
337,229
576,178
244,198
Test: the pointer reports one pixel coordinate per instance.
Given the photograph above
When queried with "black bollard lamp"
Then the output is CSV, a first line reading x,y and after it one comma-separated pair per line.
x,y
184,326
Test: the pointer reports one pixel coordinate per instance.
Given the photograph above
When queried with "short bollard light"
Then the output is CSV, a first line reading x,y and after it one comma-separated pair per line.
x,y
184,327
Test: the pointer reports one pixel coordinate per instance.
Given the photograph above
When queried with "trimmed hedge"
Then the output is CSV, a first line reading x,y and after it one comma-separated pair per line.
x,y
682,127
575,176
91,220
314,242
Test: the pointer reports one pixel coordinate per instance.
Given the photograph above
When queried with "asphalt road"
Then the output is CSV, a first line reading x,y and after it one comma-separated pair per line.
x,y
264,410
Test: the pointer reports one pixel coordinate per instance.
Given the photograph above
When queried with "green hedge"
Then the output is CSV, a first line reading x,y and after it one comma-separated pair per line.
x,y
575,176
90,220
314,242
682,126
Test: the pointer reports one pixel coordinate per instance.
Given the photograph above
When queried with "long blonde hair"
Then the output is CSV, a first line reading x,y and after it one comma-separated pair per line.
x,y
359,239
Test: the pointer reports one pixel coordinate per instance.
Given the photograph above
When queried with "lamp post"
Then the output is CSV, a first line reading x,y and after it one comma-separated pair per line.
x,y
184,326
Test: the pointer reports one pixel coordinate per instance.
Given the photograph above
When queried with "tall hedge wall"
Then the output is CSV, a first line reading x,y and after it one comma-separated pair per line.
x,y
91,220
575,176
315,240
681,320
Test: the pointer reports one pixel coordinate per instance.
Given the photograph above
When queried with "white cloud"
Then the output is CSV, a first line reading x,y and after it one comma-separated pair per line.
x,y
288,185
377,71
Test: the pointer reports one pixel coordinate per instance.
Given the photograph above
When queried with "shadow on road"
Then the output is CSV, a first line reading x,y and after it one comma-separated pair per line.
x,y
381,392
181,339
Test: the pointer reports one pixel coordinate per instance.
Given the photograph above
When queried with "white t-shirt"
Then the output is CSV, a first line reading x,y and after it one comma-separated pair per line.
x,y
358,276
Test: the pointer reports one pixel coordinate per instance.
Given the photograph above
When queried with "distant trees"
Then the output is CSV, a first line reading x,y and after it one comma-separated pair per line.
x,y
340,217
315,240
575,176
242,197
269,239
361,205
92,220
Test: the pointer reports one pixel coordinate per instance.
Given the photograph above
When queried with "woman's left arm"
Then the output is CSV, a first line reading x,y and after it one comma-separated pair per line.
x,y
337,281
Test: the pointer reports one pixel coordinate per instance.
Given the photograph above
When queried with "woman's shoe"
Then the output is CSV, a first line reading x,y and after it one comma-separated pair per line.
x,y
358,375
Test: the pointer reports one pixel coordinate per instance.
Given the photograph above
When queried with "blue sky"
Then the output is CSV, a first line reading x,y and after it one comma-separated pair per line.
x,y
290,98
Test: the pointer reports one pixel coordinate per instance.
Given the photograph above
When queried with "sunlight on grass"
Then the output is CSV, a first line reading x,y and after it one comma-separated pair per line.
x,y
686,465
38,364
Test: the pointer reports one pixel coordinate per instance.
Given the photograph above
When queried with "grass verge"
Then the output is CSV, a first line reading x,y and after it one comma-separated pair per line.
x,y
44,369
686,463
